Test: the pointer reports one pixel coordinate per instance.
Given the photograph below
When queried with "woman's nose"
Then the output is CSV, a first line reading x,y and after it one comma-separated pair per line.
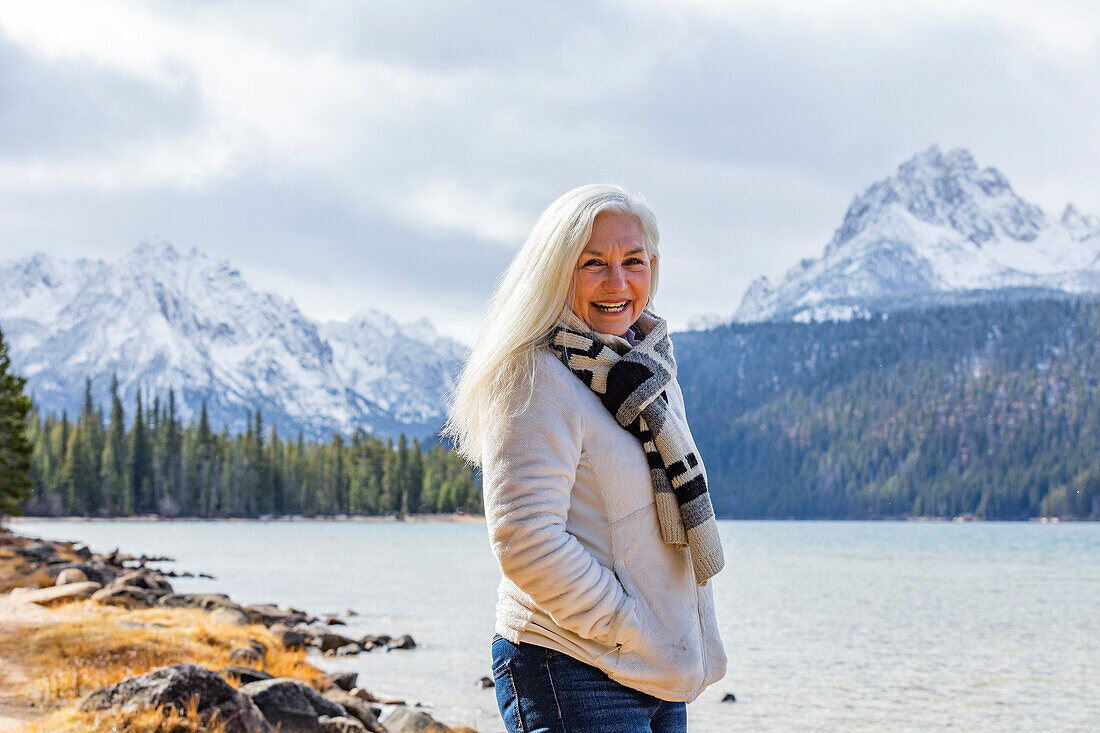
x,y
616,277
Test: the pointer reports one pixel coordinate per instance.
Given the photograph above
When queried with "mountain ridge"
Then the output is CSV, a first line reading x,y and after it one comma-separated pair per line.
x,y
940,228
161,319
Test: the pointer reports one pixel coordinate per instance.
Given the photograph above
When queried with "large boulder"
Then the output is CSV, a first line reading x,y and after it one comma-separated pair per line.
x,y
291,704
61,593
175,687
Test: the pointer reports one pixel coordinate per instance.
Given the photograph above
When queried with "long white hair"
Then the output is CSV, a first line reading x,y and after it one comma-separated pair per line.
x,y
531,297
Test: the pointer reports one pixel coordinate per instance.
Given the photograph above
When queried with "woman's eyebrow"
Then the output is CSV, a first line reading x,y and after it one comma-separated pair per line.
x,y
599,253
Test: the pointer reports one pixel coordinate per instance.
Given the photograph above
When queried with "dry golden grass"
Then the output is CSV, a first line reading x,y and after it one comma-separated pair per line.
x,y
93,646
15,572
159,720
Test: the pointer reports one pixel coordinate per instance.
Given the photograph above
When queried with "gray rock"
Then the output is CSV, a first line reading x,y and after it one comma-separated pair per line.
x,y
362,694
149,580
230,615
332,642
486,683
39,551
269,614
402,642
205,601
70,575
178,600
342,680
407,720
175,687
340,725
290,638
247,655
355,708
290,704
95,570
125,597
245,674
349,650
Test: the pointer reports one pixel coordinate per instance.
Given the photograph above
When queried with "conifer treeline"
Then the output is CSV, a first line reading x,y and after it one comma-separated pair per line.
x,y
94,468
991,409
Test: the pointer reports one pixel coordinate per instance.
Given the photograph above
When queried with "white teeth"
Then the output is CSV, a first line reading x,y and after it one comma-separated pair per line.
x,y
612,307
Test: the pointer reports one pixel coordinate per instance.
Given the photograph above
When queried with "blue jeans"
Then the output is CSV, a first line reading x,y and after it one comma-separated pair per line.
x,y
540,690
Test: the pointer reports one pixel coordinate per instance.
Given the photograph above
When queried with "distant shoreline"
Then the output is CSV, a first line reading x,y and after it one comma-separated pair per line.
x,y
461,518
480,519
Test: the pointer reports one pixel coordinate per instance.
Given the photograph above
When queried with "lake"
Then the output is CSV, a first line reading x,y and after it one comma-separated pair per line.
x,y
828,625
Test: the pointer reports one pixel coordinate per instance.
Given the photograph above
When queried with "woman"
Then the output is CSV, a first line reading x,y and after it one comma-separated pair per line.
x,y
595,497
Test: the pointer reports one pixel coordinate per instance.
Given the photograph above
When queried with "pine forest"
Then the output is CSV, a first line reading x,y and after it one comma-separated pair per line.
x,y
97,467
989,410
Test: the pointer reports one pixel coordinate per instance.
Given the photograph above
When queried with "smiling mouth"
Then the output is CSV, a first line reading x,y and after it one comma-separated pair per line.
x,y
612,307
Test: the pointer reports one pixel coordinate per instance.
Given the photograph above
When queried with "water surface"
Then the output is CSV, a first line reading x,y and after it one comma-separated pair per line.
x,y
828,625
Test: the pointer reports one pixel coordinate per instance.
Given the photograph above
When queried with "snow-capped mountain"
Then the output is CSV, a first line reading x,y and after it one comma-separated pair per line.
x,y
163,320
940,230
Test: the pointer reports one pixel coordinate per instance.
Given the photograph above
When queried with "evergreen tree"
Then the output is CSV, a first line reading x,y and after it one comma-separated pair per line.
x,y
113,491
15,447
141,463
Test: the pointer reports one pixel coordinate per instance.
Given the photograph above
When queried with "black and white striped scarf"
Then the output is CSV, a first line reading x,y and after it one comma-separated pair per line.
x,y
632,388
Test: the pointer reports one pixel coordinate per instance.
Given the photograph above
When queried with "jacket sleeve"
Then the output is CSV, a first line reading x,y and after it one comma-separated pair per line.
x,y
529,465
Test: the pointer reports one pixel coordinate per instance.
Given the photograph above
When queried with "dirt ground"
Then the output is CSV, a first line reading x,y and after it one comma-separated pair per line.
x,y
15,616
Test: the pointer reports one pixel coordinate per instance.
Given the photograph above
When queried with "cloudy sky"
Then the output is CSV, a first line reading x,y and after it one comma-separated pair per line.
x,y
393,154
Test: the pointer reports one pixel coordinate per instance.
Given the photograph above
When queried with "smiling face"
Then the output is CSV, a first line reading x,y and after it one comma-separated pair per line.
x,y
611,280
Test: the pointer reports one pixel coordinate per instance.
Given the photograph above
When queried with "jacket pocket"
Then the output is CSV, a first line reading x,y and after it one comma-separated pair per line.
x,y
641,609
667,654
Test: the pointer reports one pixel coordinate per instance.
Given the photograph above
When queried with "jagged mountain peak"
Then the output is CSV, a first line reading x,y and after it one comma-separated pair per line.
x,y
945,190
162,319
157,249
1081,226
940,226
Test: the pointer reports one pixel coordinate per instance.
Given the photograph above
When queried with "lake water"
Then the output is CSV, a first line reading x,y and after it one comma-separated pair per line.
x,y
828,625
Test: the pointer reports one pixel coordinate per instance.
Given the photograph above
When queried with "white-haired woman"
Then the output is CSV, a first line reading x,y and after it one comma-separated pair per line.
x,y
595,497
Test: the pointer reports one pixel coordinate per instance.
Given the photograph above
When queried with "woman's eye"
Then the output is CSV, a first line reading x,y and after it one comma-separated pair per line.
x,y
634,262
592,263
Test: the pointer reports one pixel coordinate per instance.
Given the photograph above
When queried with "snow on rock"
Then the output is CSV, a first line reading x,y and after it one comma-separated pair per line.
x,y
163,320
940,227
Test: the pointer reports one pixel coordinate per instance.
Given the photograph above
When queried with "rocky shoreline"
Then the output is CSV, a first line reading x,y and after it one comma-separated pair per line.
x,y
241,696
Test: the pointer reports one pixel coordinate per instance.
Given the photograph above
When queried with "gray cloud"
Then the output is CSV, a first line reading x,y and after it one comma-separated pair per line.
x,y
52,109
392,154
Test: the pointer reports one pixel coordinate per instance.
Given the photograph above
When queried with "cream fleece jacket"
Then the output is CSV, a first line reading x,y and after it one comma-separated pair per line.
x,y
572,522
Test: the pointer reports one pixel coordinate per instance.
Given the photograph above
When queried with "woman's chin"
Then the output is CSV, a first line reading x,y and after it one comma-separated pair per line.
x,y
616,324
